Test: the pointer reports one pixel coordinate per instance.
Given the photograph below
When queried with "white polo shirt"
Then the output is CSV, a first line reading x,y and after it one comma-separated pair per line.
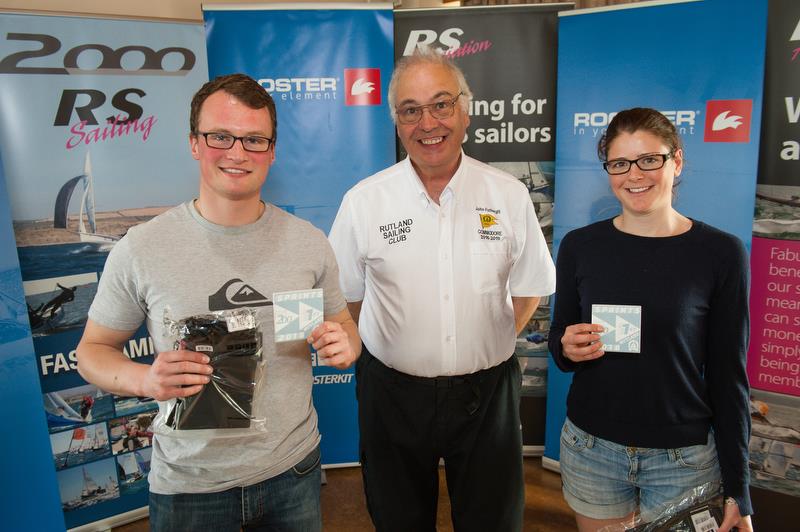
x,y
436,280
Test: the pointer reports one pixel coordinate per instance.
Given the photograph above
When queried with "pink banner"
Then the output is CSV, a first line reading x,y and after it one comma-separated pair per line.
x,y
773,362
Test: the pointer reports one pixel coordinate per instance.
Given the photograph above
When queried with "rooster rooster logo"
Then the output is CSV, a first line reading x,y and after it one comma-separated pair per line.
x,y
725,120
361,86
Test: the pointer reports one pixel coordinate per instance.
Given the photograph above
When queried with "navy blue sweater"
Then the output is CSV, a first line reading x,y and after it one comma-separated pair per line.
x,y
690,375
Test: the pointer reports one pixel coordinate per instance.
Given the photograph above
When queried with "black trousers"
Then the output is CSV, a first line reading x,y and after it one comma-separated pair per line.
x,y
408,423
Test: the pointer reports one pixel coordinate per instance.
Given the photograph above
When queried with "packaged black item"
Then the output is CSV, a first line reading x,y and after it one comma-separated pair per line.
x,y
232,341
699,510
703,516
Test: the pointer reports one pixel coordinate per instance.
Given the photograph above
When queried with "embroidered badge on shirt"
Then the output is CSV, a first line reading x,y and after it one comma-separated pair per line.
x,y
490,224
296,313
395,232
623,327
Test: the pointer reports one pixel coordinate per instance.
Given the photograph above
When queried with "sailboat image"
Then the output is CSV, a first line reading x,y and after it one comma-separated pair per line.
x,y
90,440
87,224
135,466
90,487
59,412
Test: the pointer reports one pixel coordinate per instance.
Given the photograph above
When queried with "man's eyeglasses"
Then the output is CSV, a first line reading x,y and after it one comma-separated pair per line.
x,y
653,161
225,141
439,110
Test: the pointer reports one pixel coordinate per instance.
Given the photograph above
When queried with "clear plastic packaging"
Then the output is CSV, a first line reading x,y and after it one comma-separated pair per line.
x,y
701,510
232,340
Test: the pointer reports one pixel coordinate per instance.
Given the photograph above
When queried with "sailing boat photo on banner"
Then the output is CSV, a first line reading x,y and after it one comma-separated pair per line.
x,y
88,484
87,221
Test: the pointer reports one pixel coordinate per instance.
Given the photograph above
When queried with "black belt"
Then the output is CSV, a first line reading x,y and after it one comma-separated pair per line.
x,y
446,381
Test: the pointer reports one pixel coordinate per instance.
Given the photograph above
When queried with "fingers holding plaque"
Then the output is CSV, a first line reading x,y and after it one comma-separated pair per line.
x,y
623,327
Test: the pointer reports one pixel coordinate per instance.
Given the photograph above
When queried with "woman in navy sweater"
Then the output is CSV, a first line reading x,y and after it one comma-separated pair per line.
x,y
660,405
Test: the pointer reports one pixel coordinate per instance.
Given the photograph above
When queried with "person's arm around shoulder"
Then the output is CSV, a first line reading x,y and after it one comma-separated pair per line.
x,y
102,362
336,340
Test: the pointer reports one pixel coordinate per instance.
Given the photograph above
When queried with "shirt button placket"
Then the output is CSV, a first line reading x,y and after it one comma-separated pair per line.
x,y
446,299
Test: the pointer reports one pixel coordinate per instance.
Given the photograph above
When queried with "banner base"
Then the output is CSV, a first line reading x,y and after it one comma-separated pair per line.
x,y
551,465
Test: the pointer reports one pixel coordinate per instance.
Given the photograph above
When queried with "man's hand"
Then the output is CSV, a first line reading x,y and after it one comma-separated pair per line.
x,y
332,343
176,374
581,343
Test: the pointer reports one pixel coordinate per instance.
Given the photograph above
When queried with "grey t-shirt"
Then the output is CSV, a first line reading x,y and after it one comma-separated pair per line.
x,y
181,261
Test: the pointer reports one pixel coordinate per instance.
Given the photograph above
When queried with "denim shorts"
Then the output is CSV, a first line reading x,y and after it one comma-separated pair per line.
x,y
288,502
606,480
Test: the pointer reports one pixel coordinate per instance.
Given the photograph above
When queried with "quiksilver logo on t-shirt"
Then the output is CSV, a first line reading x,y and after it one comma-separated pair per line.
x,y
235,294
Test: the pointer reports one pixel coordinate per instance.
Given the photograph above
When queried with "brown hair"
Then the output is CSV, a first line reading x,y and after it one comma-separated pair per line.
x,y
243,88
639,119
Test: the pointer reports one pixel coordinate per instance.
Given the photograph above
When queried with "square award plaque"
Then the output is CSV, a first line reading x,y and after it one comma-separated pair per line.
x,y
296,313
623,327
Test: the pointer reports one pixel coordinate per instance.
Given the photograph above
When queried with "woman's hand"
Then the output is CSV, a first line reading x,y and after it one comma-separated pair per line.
x,y
581,342
732,518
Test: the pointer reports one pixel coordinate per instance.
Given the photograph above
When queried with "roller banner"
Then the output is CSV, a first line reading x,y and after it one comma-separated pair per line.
x,y
707,78
774,356
328,67
508,55
93,130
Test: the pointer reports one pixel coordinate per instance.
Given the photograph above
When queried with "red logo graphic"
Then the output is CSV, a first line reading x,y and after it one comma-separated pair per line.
x,y
728,120
362,86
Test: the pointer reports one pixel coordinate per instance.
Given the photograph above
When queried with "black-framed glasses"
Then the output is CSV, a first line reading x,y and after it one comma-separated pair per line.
x,y
225,141
653,161
439,110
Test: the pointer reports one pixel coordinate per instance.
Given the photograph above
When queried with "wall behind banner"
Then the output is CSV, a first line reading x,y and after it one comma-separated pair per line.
x,y
107,102
693,76
186,10
512,127
328,138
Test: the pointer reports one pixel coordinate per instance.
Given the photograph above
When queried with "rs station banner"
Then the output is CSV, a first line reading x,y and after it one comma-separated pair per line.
x,y
706,78
774,356
328,67
508,55
93,130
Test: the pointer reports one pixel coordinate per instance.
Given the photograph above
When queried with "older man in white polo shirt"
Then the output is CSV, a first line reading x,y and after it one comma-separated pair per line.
x,y
442,262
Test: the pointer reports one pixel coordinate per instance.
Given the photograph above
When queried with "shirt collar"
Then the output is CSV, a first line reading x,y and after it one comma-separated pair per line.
x,y
449,191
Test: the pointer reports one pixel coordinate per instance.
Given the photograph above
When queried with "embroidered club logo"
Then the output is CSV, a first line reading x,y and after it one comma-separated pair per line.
x,y
487,220
362,86
728,120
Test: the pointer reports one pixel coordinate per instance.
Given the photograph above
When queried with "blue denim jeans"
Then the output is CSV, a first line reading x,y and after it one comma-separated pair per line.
x,y
606,480
286,503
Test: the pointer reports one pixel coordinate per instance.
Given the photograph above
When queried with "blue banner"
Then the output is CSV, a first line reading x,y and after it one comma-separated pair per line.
x,y
93,129
702,64
328,71
30,494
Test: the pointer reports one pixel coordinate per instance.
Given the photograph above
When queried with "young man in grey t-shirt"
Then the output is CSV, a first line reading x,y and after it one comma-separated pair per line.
x,y
223,250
